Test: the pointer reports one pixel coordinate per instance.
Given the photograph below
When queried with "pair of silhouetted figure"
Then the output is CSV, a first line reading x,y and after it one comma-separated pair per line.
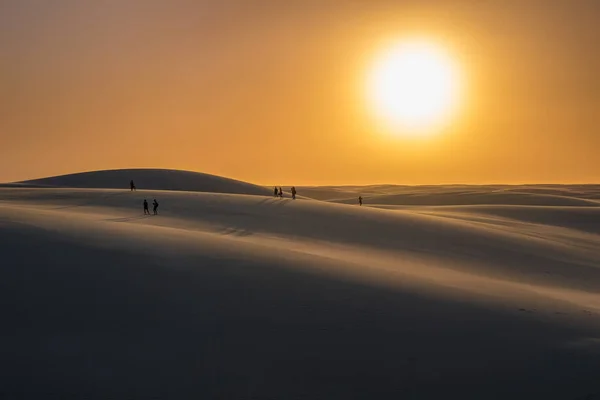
x,y
155,204
279,192
132,185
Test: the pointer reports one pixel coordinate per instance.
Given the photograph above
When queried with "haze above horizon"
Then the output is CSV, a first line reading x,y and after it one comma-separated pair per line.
x,y
274,92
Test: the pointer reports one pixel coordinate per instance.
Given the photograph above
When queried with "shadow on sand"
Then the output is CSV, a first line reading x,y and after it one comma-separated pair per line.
x,y
128,219
84,322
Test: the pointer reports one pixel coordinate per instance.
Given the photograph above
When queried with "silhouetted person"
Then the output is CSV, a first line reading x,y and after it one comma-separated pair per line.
x,y
132,185
360,200
146,211
280,193
275,192
293,192
155,204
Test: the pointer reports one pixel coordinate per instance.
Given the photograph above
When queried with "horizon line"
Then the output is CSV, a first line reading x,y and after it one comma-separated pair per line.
x,y
525,183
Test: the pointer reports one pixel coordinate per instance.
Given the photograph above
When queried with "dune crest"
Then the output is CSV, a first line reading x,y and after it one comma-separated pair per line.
x,y
455,195
149,179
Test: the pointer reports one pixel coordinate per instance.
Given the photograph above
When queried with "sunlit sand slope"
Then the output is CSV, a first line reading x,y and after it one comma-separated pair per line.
x,y
238,296
541,195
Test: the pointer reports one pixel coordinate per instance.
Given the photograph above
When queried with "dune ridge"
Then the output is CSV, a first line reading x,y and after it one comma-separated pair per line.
x,y
446,195
149,179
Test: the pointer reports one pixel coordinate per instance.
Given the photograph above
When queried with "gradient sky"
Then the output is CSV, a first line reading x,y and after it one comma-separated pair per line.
x,y
272,91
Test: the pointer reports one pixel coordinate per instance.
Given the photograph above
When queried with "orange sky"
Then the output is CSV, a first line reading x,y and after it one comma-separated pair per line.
x,y
271,91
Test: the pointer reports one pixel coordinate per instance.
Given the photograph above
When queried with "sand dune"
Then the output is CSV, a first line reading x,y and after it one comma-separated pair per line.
x,y
559,195
240,296
150,179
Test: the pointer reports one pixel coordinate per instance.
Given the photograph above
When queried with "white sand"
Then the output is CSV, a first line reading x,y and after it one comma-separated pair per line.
x,y
436,292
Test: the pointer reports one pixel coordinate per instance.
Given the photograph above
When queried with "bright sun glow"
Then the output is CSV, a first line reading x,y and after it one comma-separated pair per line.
x,y
414,87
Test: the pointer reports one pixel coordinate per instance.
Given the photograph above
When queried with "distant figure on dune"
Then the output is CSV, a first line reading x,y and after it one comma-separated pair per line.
x,y
146,211
275,192
155,204
280,193
293,192
360,200
132,185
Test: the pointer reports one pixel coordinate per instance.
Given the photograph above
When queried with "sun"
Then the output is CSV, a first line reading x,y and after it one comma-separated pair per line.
x,y
414,87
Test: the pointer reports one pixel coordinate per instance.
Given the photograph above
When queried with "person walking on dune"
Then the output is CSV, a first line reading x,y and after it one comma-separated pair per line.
x,y
275,192
293,192
280,193
155,204
360,200
146,211
132,185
